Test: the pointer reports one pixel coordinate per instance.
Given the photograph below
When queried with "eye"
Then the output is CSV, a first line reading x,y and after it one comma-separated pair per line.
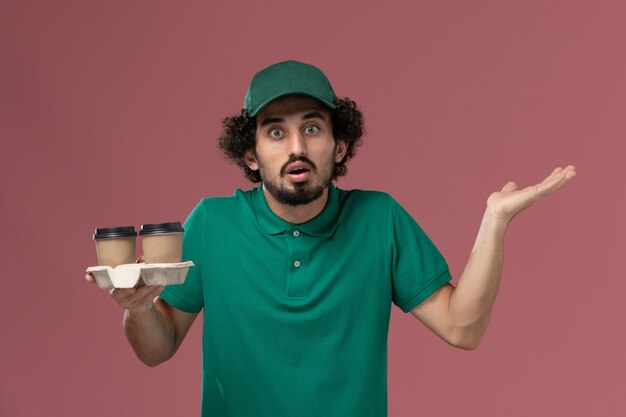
x,y
276,133
311,129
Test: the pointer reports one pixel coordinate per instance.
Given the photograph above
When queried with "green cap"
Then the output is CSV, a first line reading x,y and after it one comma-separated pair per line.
x,y
287,77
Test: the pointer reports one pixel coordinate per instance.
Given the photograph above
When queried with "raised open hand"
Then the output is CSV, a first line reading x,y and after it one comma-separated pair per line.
x,y
509,201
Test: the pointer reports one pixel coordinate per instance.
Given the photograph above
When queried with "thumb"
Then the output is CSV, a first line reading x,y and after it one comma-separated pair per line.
x,y
141,259
510,186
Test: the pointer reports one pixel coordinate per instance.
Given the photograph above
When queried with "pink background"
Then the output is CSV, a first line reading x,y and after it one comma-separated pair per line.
x,y
109,113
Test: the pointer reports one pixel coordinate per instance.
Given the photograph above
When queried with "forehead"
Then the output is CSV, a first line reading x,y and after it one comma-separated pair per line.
x,y
291,105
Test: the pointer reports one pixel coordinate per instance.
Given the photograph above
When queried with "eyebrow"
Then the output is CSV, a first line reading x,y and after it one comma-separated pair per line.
x,y
311,115
269,120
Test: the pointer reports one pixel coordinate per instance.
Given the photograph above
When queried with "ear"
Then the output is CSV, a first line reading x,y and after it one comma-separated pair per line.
x,y
250,160
340,150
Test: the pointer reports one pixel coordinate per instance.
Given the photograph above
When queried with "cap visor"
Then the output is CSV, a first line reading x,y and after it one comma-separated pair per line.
x,y
254,111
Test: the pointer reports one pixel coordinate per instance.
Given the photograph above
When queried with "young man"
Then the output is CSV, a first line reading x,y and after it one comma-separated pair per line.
x,y
296,277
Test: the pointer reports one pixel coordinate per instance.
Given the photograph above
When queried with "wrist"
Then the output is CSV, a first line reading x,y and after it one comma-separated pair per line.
x,y
494,222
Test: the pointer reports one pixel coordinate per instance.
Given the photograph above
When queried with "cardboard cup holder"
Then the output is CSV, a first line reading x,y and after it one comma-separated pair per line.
x,y
128,275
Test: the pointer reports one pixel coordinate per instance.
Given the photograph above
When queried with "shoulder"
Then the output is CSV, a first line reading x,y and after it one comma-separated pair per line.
x,y
365,202
220,209
370,203
218,204
364,197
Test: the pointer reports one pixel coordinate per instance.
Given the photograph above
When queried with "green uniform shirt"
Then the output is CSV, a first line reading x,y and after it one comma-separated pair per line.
x,y
296,317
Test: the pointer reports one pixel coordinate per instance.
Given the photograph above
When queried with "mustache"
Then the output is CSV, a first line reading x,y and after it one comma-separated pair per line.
x,y
293,159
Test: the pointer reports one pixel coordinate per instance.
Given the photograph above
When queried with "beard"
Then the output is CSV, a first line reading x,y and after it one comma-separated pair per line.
x,y
303,192
300,195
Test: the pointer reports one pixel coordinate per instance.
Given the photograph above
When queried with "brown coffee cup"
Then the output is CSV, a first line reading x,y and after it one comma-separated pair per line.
x,y
162,242
115,245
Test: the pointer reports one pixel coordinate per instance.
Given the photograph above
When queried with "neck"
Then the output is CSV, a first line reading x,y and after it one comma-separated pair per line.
x,y
296,214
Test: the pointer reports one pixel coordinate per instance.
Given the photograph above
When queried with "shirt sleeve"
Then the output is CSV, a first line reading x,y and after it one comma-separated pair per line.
x,y
418,269
188,296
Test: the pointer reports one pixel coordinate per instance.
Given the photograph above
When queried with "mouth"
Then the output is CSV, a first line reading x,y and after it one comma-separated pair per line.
x,y
298,172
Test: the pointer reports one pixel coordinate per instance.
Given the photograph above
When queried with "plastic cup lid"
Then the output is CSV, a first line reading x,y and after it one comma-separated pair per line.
x,y
158,228
109,232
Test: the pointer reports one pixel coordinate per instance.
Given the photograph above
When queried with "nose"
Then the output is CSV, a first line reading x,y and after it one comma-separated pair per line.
x,y
297,144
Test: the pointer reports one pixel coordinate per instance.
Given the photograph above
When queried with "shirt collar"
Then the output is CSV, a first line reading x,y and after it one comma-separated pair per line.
x,y
321,225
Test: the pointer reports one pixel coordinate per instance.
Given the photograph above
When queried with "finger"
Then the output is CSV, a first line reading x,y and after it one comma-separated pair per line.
x,y
567,176
140,300
147,298
125,297
570,171
120,294
557,169
571,174
141,259
565,171
552,175
557,181
90,278
548,184
509,186
551,183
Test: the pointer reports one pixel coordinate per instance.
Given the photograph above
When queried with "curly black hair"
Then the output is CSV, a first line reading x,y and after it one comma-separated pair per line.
x,y
239,135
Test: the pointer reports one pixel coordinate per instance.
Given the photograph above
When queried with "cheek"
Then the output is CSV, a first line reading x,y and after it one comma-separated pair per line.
x,y
266,163
269,150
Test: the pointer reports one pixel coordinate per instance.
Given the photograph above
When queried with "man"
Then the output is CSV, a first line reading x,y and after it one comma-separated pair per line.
x,y
296,277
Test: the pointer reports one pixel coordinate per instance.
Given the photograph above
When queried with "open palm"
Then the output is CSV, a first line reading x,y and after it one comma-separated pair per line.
x,y
509,201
